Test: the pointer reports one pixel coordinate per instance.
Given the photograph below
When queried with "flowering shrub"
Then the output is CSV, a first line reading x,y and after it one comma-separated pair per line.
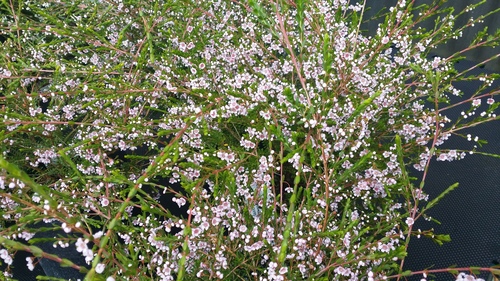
x,y
282,130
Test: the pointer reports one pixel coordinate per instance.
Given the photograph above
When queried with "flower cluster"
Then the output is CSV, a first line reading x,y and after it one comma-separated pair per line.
x,y
81,247
466,277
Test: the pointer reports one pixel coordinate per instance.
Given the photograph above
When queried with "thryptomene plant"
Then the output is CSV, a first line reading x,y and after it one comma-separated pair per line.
x,y
279,133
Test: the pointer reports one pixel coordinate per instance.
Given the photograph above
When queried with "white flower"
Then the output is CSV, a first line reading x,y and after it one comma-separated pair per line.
x,y
66,228
30,263
110,278
466,277
81,245
283,270
5,256
98,234
89,255
410,221
7,73
3,253
100,268
104,202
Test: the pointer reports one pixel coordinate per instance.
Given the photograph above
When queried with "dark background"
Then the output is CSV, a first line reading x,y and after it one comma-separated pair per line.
x,y
453,46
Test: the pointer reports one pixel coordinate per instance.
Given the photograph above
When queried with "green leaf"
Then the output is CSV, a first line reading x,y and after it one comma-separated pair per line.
x,y
439,239
406,273
50,278
66,263
345,213
401,252
475,270
300,19
436,200
327,56
37,252
399,150
117,177
261,14
72,164
288,227
363,106
487,154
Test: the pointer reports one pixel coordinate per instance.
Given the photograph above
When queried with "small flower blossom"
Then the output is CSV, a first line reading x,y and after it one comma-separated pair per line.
x,y
104,202
466,277
6,257
180,201
66,228
30,265
283,270
98,234
81,245
100,268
